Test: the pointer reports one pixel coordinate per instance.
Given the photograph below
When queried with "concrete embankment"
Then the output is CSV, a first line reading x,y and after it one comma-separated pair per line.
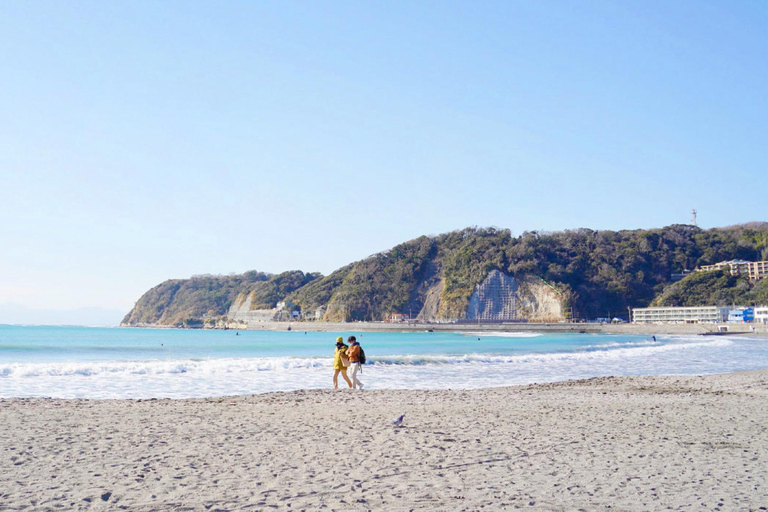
x,y
511,327
420,327
560,327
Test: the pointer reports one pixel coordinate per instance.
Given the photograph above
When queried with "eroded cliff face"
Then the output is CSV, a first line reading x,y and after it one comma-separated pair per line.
x,y
240,311
501,297
538,302
429,312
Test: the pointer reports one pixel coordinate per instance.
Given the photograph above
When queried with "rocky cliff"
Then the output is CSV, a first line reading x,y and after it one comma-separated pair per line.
x,y
468,275
503,298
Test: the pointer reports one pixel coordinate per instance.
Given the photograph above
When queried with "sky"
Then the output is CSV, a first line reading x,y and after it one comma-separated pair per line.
x,y
142,141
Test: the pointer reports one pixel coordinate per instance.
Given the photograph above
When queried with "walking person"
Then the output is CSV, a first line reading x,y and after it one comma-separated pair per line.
x,y
353,353
339,360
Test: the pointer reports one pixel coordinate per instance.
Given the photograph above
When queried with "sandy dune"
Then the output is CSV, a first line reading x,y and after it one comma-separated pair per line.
x,y
641,443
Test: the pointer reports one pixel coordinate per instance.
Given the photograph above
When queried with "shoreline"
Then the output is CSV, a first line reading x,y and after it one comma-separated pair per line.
x,y
631,443
560,328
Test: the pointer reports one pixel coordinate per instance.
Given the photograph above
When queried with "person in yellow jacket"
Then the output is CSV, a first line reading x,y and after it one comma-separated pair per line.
x,y
339,358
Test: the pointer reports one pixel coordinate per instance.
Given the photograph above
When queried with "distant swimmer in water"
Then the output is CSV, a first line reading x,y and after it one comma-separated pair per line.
x,y
654,338
237,334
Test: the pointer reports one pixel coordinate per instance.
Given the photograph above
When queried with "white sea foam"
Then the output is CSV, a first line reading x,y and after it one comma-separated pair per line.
x,y
182,378
217,366
503,334
641,343
20,370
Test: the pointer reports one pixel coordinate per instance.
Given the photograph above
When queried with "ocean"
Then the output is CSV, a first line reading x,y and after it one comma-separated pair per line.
x,y
82,362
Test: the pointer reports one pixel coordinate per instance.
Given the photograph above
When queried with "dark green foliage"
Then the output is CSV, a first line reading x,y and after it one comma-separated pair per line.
x,y
266,294
604,272
193,323
598,273
385,283
318,292
468,256
758,293
717,288
178,302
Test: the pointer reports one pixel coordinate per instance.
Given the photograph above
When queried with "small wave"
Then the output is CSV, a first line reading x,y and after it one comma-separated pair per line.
x,y
224,366
611,352
504,334
619,344
159,367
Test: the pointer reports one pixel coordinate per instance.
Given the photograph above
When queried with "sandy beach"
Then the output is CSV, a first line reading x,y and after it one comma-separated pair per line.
x,y
629,443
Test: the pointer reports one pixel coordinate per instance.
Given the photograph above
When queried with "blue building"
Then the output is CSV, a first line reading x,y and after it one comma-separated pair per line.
x,y
741,315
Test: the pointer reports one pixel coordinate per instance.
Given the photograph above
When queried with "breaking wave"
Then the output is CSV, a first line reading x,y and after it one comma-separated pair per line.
x,y
504,334
611,351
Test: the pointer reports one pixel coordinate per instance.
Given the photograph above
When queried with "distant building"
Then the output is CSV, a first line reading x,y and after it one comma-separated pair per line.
x,y
761,315
752,269
676,277
689,315
399,317
758,269
291,310
741,315
735,267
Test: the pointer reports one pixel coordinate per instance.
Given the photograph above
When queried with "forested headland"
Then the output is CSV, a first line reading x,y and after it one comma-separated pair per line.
x,y
595,273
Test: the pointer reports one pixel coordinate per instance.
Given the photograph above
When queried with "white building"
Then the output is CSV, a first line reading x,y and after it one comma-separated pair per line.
x,y
688,315
761,314
753,269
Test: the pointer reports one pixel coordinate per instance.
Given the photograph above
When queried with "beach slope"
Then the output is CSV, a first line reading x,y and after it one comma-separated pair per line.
x,y
629,443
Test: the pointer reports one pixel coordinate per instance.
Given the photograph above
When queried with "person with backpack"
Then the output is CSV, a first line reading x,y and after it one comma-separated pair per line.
x,y
356,358
340,363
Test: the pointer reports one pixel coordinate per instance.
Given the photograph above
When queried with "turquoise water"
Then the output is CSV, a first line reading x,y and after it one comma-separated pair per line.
x,y
142,363
56,344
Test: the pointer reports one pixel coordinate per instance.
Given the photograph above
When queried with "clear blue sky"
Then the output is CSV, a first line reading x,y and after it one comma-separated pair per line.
x,y
141,141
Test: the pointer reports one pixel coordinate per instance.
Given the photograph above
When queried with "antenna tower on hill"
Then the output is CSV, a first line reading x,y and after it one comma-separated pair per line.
x,y
693,216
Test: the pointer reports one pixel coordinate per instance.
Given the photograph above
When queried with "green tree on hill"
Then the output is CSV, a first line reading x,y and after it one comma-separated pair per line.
x,y
598,273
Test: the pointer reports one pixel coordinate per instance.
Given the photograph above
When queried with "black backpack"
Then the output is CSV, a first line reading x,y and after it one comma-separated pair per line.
x,y
361,356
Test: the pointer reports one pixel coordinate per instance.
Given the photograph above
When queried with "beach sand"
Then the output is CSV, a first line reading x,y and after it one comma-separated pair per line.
x,y
630,443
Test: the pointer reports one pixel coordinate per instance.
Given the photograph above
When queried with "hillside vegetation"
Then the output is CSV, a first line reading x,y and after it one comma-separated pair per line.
x,y
187,302
597,273
716,288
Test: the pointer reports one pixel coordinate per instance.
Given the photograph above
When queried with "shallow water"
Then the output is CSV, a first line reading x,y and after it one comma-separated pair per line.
x,y
81,362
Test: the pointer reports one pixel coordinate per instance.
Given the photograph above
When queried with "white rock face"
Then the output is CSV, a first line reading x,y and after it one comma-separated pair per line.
x,y
503,298
241,311
498,298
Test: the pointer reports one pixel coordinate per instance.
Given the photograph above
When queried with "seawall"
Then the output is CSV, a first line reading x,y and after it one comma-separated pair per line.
x,y
559,327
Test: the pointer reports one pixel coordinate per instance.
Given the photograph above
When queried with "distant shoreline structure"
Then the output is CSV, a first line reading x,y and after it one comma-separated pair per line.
x,y
529,327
